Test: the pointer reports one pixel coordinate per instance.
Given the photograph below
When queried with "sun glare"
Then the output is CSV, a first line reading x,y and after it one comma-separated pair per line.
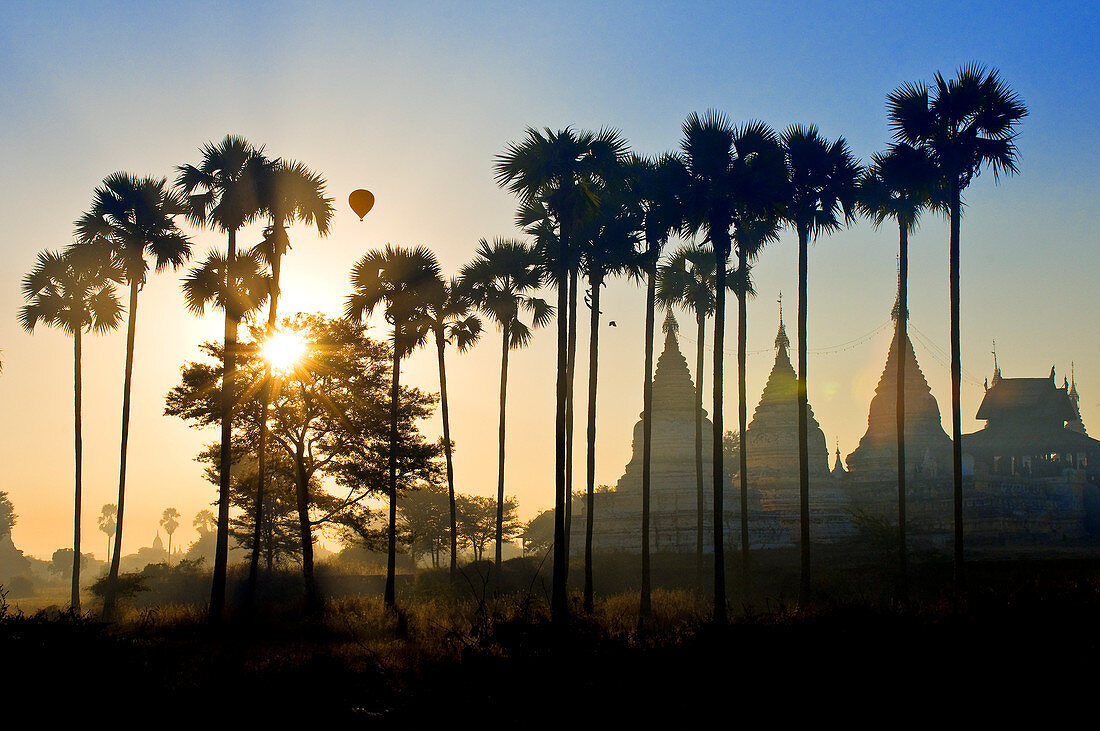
x,y
284,351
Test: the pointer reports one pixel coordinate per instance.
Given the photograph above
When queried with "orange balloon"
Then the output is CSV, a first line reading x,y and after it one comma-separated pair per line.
x,y
361,202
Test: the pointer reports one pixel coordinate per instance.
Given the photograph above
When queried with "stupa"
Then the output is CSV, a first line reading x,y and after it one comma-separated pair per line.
x,y
927,446
772,454
673,485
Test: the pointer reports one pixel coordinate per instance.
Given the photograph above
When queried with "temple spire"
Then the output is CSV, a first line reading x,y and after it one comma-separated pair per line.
x,y
781,340
897,300
996,368
670,326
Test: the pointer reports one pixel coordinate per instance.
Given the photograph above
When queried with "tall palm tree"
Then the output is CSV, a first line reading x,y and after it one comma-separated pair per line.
x,y
499,281
659,185
732,180
968,124
130,218
687,280
222,192
823,178
448,315
290,192
607,239
74,292
900,184
753,230
400,280
558,169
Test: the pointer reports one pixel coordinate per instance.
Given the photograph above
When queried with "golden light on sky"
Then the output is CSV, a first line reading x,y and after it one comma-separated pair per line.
x,y
284,351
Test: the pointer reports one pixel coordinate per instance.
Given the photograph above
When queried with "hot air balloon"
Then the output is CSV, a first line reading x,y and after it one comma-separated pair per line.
x,y
361,202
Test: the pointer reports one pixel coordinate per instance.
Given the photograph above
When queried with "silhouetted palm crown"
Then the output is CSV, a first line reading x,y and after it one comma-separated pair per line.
x,y
400,280
290,192
72,291
131,217
900,184
208,284
687,279
447,313
969,123
223,191
823,181
498,279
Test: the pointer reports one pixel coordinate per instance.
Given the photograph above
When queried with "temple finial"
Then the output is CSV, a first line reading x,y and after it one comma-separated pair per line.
x,y
670,326
996,368
781,340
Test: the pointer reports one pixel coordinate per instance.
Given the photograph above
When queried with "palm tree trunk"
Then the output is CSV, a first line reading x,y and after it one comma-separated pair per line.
x,y
261,449
956,384
645,608
111,597
701,322
559,604
590,461
902,338
75,601
389,597
229,371
500,446
439,346
742,414
571,366
305,529
720,239
803,422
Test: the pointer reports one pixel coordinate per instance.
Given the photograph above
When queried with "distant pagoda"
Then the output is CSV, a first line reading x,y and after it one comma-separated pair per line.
x,y
927,446
772,436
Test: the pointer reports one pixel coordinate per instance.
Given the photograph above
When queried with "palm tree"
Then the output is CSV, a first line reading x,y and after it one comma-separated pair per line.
x,y
170,520
290,192
448,316
400,280
969,124
659,185
222,192
607,239
732,181
900,184
823,178
499,280
752,232
687,280
75,292
558,169
131,217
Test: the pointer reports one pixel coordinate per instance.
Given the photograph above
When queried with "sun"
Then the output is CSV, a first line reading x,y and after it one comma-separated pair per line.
x,y
284,350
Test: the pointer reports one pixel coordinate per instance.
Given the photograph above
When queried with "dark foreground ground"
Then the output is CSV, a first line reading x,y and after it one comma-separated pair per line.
x,y
1022,642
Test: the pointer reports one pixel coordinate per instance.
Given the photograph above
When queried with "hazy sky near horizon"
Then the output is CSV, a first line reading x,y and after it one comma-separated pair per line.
x,y
413,100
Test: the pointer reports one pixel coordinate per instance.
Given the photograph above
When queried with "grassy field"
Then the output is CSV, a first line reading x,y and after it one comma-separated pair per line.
x,y
1022,630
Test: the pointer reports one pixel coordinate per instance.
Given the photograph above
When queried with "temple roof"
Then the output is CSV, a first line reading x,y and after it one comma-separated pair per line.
x,y
1026,399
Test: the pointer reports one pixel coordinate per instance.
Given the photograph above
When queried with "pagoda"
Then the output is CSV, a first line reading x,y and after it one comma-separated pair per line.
x,y
673,486
927,446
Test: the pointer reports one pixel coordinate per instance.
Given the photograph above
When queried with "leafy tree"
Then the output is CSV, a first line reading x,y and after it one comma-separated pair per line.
x,y
75,292
964,125
557,170
204,522
538,533
107,524
8,515
477,521
500,279
130,218
169,521
290,192
823,180
222,192
425,513
400,281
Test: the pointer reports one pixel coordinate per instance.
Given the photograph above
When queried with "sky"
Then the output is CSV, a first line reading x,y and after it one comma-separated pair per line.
x,y
413,101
